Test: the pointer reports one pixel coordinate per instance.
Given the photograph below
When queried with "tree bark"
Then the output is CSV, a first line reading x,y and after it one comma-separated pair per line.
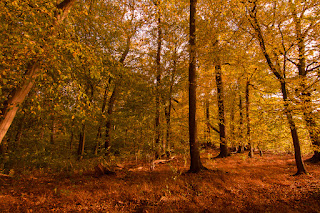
x,y
82,140
248,119
195,164
232,129
208,133
293,129
16,98
53,130
220,97
18,95
241,143
113,97
99,134
312,127
111,103
169,107
158,86
19,132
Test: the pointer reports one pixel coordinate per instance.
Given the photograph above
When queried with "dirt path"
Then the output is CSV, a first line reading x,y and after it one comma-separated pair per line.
x,y
234,184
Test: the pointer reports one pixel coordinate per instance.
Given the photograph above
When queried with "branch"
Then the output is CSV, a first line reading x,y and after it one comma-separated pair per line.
x,y
255,25
212,127
310,70
64,8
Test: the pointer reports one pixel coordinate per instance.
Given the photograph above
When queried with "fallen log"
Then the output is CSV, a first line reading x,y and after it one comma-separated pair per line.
x,y
101,170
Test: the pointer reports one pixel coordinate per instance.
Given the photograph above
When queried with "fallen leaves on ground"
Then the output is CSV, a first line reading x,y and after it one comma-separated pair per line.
x,y
233,184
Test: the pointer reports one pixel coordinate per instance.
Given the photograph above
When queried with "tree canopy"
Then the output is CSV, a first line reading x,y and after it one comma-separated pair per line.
x,y
116,78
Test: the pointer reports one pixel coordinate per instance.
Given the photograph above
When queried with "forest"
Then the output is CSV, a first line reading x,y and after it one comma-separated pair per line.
x,y
160,106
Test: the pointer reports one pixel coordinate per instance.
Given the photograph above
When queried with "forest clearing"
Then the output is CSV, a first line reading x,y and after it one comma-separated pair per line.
x,y
234,184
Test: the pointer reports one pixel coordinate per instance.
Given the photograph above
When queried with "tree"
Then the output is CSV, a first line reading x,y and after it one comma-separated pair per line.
x,y
275,68
195,165
305,64
17,95
158,80
221,111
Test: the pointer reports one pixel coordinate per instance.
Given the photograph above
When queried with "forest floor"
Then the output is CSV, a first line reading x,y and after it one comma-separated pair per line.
x,y
233,184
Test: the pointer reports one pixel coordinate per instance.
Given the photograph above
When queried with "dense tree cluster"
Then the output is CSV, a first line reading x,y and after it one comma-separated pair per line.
x,y
146,78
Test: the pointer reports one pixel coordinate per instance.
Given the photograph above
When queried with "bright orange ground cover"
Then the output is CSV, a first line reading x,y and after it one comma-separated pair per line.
x,y
234,184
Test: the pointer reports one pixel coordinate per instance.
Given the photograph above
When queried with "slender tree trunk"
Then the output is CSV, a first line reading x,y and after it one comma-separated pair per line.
x,y
72,135
82,140
241,144
195,164
276,71
232,129
312,127
19,132
71,140
248,120
169,107
53,130
168,121
158,86
111,104
293,129
3,148
223,143
113,97
99,134
208,133
18,95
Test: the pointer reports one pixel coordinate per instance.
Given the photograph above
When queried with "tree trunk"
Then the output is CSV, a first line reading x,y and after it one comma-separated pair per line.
x,y
313,130
232,129
158,87
72,135
248,119
3,148
82,140
312,127
222,132
208,133
8,112
71,140
18,95
99,134
19,133
275,70
241,144
294,133
113,97
195,164
111,103
169,107
53,130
